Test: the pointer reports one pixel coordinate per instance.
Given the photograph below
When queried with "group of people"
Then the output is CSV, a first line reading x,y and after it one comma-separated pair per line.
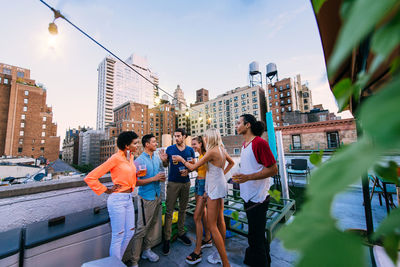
x,y
148,170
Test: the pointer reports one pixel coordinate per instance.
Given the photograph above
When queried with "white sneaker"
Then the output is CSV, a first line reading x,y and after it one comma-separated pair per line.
x,y
214,258
150,255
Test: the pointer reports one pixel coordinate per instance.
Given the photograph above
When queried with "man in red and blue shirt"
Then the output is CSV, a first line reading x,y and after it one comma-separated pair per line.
x,y
257,165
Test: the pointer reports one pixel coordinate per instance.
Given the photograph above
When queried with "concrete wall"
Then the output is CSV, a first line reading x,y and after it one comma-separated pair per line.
x,y
21,205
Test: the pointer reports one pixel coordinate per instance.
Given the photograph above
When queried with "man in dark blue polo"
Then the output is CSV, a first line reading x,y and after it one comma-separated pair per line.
x,y
177,188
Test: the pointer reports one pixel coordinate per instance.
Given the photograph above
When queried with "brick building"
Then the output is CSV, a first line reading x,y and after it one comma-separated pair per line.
x,y
325,135
136,117
26,127
288,95
201,95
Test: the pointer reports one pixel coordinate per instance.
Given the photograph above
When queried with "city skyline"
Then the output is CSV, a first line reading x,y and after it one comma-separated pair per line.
x,y
197,45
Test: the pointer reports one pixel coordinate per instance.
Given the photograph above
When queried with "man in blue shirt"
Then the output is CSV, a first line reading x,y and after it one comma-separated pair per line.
x,y
149,201
178,187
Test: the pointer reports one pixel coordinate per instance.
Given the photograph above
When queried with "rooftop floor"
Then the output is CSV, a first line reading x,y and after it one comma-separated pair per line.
x,y
347,208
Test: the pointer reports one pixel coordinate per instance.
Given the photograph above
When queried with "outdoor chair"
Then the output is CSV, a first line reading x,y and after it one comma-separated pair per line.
x,y
379,187
297,167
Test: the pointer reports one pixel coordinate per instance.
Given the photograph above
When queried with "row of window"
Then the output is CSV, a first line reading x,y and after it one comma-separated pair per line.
x,y
280,88
21,141
235,98
331,137
33,149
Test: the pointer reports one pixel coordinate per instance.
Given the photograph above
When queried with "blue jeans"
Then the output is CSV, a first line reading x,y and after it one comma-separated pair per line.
x,y
122,217
199,186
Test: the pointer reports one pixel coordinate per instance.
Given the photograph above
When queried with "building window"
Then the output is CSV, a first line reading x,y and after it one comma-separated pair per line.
x,y
20,74
270,104
288,94
5,81
25,109
255,112
20,150
275,90
270,98
269,91
277,118
305,94
243,96
254,93
289,108
23,117
43,134
283,109
255,106
20,141
254,99
21,133
42,149
282,102
243,109
276,96
281,95
288,101
22,124
305,101
277,110
296,141
333,139
26,92
287,86
276,103
44,126
280,88
25,100
236,151
42,141
305,106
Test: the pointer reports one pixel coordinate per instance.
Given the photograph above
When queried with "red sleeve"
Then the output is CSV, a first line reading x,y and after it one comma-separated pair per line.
x,y
262,152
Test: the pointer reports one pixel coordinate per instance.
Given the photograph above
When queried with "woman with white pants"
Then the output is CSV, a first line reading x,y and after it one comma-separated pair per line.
x,y
119,203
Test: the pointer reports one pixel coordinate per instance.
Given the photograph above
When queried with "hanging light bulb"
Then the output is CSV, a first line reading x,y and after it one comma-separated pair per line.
x,y
53,28
157,100
187,113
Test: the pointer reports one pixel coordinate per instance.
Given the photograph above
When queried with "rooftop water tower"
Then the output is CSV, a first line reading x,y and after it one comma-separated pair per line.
x,y
272,72
255,76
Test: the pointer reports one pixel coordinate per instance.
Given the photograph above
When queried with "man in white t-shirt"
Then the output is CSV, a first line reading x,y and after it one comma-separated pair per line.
x,y
257,165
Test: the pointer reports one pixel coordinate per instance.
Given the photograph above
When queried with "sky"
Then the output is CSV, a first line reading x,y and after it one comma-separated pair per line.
x,y
196,44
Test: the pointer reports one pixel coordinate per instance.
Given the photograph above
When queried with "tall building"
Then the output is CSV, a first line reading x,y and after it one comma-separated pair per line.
x,y
201,95
117,83
26,127
288,95
89,147
179,100
162,120
70,148
223,111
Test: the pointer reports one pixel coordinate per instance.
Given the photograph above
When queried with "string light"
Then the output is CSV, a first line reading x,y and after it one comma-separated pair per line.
x,y
53,30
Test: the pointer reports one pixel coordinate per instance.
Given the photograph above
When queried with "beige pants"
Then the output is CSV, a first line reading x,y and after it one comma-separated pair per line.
x,y
175,191
147,227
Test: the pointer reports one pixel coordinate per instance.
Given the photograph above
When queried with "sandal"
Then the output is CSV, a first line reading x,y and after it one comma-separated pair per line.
x,y
193,258
206,244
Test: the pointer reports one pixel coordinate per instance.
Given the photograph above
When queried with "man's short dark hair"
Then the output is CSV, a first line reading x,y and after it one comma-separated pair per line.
x,y
146,139
125,139
181,130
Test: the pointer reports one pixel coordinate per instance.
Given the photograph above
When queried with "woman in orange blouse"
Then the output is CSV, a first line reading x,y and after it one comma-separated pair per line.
x,y
119,203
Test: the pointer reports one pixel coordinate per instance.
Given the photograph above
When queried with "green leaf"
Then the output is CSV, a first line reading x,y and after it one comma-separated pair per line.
x,y
363,16
275,194
395,66
379,116
317,4
388,173
316,158
342,92
389,225
235,215
387,38
391,245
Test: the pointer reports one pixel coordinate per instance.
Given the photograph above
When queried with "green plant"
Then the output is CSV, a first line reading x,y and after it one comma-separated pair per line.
x,y
313,232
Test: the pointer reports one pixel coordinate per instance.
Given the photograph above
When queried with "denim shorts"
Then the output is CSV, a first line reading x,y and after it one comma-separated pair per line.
x,y
199,186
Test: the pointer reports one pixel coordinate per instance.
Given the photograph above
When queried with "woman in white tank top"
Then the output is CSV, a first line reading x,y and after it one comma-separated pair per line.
x,y
216,186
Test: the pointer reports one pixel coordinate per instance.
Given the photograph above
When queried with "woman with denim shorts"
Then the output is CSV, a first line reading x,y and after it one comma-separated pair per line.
x,y
200,210
119,203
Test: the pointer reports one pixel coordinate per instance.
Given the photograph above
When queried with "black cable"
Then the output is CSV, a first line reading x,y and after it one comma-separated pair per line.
x,y
59,15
